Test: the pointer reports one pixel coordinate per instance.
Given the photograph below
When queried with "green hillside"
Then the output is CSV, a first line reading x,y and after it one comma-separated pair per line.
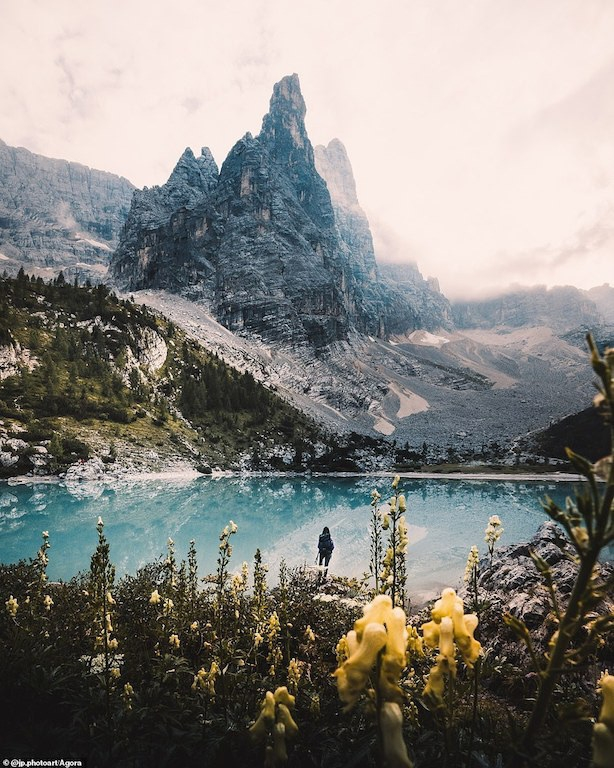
x,y
85,374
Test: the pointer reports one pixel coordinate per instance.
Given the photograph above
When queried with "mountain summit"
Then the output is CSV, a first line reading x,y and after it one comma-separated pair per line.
x,y
264,245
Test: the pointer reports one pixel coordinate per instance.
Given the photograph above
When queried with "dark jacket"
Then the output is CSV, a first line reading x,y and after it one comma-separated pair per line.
x,y
325,543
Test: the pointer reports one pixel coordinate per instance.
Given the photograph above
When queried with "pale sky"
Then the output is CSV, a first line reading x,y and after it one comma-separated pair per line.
x,y
481,132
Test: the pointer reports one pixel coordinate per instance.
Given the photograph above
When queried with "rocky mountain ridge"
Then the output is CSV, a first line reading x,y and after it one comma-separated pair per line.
x,y
562,308
269,247
57,215
466,395
269,262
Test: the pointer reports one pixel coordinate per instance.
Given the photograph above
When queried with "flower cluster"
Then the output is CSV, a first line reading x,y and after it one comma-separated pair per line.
x,y
273,633
12,605
295,672
155,597
378,638
450,629
393,572
174,641
205,681
127,696
603,730
275,726
493,533
472,564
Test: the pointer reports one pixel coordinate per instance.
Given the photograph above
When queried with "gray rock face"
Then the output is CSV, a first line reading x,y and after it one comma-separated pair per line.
x,y
513,583
603,297
561,308
430,308
398,297
58,215
262,245
334,167
153,249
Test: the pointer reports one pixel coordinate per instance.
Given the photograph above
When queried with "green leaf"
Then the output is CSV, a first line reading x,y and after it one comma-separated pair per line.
x,y
584,466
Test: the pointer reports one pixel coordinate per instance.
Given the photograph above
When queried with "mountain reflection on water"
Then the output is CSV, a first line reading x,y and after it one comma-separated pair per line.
x,y
281,515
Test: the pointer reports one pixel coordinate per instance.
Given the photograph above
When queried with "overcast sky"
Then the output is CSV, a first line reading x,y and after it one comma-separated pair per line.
x,y
481,132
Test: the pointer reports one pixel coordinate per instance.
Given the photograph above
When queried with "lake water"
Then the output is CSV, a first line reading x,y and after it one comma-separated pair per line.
x,y
281,515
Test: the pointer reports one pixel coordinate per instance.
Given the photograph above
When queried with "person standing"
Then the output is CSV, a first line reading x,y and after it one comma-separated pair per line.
x,y
325,548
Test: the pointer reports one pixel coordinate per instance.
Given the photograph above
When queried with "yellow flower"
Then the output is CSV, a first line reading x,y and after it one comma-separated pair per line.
x,y
342,651
113,644
48,602
436,632
606,685
309,634
206,680
115,673
284,716
194,626
173,641
396,481
391,722
472,563
464,627
435,684
603,746
580,535
155,597
127,696
12,605
414,642
259,730
282,696
168,605
493,531
280,754
294,674
402,503
110,599
380,628
394,656
446,638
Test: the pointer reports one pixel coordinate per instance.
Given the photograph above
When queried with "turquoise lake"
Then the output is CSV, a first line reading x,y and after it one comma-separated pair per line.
x,y
281,515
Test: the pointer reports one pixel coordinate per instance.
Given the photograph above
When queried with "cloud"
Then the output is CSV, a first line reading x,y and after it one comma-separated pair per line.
x,y
474,129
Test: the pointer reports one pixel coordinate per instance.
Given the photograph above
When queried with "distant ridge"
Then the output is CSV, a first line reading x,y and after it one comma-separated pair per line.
x,y
57,215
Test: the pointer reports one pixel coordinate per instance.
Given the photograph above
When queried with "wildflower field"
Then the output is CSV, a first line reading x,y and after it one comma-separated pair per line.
x,y
171,668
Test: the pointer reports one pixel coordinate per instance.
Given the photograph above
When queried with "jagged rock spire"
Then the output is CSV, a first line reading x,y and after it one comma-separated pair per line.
x,y
334,166
283,127
285,138
195,174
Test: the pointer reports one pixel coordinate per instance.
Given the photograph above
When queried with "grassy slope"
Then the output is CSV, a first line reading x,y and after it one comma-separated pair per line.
x,y
85,384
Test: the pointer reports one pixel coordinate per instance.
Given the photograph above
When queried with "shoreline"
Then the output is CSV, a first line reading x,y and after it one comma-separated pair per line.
x,y
188,474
